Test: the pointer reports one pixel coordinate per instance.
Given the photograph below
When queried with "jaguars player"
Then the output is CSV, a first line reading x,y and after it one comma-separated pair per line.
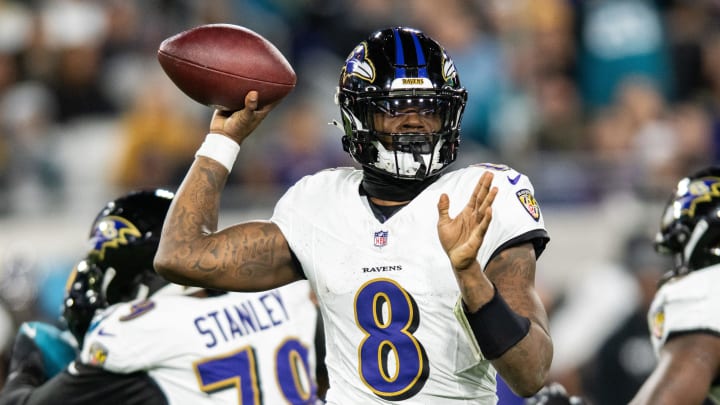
x,y
424,276
161,343
684,317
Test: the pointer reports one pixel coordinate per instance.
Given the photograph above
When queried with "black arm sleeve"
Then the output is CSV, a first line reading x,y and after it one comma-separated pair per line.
x,y
86,385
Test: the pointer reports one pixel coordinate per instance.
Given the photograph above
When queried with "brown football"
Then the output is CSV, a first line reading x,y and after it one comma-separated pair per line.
x,y
217,64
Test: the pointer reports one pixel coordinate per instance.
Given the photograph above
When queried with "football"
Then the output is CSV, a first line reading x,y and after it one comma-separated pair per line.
x,y
218,64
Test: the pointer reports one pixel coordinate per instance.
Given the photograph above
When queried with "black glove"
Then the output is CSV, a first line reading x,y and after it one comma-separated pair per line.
x,y
554,394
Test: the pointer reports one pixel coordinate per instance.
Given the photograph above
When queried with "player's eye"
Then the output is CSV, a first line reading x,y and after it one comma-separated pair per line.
x,y
400,107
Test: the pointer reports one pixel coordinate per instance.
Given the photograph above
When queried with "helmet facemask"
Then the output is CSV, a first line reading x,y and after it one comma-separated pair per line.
x,y
405,153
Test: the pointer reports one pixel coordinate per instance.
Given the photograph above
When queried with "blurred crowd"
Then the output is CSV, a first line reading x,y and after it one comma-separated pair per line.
x,y
592,99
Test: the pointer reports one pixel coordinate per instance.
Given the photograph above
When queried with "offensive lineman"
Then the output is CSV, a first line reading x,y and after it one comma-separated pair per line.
x,y
161,343
423,296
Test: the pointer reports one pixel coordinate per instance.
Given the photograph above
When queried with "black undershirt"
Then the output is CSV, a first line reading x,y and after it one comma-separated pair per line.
x,y
386,187
384,212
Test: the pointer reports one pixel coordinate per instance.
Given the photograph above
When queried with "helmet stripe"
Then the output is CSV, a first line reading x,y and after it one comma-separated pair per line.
x,y
422,72
399,55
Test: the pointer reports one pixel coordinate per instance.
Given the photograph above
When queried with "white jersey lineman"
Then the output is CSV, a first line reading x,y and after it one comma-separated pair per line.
x,y
247,348
687,303
387,290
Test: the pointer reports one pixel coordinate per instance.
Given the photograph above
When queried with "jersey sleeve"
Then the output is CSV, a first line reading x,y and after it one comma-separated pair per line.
x,y
517,217
126,339
284,213
686,304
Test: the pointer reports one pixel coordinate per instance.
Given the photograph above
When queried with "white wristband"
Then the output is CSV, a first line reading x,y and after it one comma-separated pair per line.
x,y
219,148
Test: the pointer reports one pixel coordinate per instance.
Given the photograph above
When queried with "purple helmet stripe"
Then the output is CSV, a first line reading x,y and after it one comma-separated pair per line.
x,y
422,72
399,55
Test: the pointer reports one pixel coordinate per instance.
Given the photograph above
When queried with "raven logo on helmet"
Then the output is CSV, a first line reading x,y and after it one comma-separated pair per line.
x,y
698,191
357,64
448,68
111,232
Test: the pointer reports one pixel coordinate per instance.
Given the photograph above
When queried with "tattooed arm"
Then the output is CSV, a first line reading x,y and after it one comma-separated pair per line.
x,y
525,366
250,256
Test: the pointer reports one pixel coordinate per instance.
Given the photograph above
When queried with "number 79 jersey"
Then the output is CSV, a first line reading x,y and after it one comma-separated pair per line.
x,y
387,290
235,348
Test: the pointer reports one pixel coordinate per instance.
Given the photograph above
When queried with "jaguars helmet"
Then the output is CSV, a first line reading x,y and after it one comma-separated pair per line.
x,y
392,70
690,226
119,265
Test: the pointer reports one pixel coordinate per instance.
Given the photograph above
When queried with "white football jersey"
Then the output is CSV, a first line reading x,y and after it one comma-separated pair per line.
x,y
687,303
246,348
387,290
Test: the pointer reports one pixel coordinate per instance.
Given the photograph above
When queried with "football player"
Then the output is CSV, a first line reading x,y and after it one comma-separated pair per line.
x,y
161,343
684,320
423,297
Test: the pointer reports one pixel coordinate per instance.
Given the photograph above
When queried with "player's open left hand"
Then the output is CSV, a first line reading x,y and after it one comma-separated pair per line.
x,y
238,125
462,236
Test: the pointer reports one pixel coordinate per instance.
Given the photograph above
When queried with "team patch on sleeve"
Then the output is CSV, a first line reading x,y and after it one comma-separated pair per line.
x,y
98,354
528,201
139,309
657,323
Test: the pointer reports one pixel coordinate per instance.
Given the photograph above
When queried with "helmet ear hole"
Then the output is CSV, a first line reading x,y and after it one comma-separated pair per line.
x,y
680,236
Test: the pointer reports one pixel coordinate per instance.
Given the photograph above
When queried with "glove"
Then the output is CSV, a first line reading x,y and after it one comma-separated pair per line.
x,y
554,394
42,350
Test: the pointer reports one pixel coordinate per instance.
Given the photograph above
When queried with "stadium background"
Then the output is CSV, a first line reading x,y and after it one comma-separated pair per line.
x,y
604,104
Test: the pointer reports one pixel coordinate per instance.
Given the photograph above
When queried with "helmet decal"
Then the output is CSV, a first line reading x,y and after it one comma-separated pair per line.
x,y
358,65
448,68
692,193
111,232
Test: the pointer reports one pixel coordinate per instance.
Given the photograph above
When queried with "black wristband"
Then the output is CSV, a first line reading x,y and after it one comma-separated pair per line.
x,y
497,327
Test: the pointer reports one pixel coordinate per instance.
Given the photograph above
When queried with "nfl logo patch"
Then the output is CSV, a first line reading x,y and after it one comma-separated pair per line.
x,y
380,239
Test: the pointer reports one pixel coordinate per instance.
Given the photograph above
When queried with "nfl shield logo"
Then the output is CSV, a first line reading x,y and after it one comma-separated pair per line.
x,y
381,238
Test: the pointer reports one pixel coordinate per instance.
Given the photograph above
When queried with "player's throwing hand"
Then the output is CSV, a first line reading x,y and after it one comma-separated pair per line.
x,y
239,125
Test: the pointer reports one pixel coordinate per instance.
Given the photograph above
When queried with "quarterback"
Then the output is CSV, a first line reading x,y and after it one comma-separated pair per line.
x,y
424,276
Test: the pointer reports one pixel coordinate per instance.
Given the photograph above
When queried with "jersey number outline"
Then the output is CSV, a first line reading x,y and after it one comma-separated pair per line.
x,y
392,363
239,369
